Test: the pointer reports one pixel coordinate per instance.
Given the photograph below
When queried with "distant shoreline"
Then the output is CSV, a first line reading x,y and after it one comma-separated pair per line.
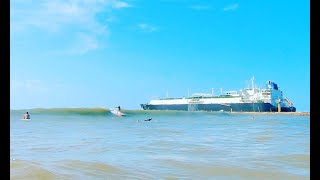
x,y
287,113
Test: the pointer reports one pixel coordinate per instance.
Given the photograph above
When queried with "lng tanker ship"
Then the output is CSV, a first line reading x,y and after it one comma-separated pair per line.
x,y
269,99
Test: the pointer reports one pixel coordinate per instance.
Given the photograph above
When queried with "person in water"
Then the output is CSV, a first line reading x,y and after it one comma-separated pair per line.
x,y
26,115
119,108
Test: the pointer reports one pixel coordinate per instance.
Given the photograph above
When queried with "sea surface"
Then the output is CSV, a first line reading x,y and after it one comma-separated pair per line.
x,y
92,143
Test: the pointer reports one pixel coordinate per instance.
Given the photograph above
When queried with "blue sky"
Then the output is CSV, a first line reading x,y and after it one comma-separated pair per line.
x,y
105,53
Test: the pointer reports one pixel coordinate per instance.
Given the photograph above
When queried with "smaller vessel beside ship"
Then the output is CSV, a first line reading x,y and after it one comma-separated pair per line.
x,y
268,99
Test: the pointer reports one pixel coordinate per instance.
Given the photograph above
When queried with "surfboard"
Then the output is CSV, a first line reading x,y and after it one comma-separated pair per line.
x,y
25,119
117,112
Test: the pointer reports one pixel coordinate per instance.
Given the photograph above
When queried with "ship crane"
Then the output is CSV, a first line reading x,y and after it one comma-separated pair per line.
x,y
290,103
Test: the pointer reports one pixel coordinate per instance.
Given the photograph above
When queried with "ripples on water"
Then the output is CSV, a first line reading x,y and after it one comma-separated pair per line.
x,y
174,145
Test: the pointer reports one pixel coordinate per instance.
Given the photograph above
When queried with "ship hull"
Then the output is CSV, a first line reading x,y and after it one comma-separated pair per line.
x,y
234,107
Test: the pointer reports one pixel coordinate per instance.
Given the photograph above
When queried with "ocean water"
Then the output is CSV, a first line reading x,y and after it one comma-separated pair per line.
x,y
95,144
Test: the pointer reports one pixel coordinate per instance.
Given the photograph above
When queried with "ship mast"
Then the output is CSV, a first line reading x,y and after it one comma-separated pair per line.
x,y
252,81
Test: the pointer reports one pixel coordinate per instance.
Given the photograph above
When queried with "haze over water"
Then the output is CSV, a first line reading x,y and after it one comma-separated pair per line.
x,y
94,144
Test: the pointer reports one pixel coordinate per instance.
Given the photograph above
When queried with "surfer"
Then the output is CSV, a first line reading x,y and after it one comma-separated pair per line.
x,y
119,108
26,115
145,120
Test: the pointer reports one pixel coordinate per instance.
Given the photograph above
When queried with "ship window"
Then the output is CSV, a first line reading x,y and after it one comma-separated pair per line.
x,y
275,86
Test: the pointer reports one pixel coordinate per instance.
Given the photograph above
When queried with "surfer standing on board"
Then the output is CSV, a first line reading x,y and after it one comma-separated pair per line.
x,y
26,116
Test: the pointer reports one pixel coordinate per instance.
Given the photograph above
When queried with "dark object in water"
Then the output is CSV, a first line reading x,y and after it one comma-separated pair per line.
x,y
148,119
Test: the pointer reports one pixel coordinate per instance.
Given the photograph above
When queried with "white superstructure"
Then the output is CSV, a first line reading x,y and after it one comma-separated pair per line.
x,y
271,94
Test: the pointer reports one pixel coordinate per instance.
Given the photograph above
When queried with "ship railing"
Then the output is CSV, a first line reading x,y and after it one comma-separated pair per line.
x,y
201,95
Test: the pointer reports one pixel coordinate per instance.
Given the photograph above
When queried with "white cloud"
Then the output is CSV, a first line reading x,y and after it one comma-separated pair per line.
x,y
65,17
120,4
147,27
27,86
35,87
83,44
231,7
55,14
199,7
